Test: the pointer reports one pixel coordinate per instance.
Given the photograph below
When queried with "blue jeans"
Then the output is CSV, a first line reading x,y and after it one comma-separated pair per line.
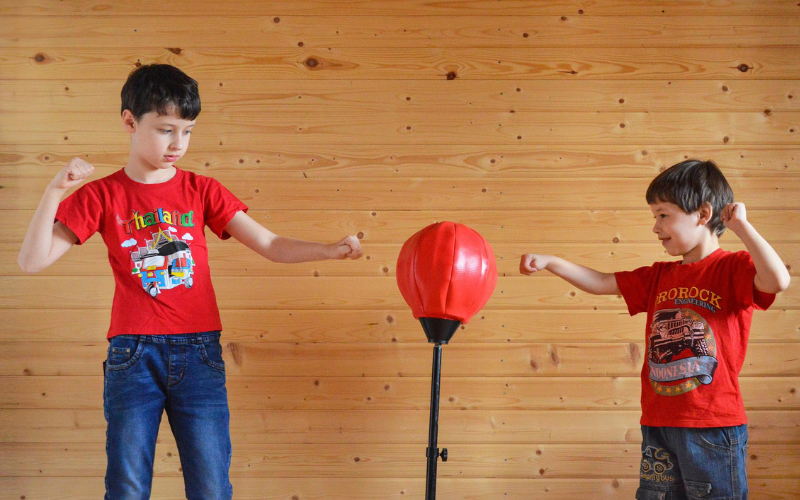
x,y
693,463
184,375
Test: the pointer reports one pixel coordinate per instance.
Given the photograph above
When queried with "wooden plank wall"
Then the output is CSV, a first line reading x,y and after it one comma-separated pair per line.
x,y
539,124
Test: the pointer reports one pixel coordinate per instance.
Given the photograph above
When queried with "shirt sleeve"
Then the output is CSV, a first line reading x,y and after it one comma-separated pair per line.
x,y
82,212
220,207
635,288
744,274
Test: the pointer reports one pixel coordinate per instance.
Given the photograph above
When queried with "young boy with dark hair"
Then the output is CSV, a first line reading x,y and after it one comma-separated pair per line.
x,y
694,432
164,351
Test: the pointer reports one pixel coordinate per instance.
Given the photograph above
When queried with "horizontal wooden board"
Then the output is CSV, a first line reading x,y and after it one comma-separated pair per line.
x,y
262,192
231,259
247,130
247,488
254,488
436,161
401,360
483,8
389,427
364,460
433,162
232,97
386,326
320,32
209,62
530,227
250,488
398,393
325,293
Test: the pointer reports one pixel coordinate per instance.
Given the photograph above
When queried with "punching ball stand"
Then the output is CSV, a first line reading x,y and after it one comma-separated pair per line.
x,y
446,272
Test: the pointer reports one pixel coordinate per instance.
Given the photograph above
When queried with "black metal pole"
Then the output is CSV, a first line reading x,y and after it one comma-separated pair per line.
x,y
433,430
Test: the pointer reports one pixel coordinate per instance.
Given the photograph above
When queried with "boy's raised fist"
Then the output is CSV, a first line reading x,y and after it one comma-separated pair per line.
x,y
733,215
72,174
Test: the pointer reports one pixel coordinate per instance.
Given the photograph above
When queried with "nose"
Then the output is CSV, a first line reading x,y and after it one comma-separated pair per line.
x,y
656,229
178,142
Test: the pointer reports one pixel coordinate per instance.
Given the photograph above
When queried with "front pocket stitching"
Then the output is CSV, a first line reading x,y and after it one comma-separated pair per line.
x,y
213,364
130,362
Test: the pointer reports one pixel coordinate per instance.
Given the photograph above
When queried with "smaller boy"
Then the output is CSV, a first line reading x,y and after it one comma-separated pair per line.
x,y
694,432
164,351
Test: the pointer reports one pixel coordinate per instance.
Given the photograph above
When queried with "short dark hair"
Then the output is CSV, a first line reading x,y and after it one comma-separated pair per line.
x,y
157,87
691,183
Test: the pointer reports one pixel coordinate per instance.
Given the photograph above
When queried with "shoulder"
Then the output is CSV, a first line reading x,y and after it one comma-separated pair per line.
x,y
199,181
740,258
100,188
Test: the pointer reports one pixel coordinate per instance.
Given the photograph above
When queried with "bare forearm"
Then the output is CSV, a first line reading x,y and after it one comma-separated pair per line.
x,y
38,242
771,273
289,250
586,279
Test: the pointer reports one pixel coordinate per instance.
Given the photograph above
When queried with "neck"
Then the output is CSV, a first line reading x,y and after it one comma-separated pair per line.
x,y
702,250
145,175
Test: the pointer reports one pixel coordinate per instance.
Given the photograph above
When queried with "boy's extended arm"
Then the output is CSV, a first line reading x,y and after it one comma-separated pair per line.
x,y
288,250
45,241
584,278
771,273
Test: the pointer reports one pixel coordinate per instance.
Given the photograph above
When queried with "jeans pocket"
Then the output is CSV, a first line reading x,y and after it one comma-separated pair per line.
x,y
212,354
123,352
697,489
714,438
645,494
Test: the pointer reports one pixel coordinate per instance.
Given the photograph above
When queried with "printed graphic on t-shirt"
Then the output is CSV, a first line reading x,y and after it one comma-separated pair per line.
x,y
680,348
165,261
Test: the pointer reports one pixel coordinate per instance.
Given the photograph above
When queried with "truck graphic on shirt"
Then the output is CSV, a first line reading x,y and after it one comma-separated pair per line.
x,y
164,263
673,331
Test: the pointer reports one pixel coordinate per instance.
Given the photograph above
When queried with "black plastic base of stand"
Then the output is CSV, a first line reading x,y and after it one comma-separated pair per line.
x,y
439,330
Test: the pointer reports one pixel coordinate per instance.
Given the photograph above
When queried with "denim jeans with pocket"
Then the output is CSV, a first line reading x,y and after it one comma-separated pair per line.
x,y
693,463
185,375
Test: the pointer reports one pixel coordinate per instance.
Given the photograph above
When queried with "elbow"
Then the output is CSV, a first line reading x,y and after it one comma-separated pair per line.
x,y
783,282
779,284
27,266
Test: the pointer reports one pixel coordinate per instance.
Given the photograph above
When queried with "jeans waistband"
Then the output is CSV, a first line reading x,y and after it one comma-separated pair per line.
x,y
176,338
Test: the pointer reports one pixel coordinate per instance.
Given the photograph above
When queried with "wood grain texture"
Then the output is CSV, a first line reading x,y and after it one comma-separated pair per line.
x,y
82,63
538,124
231,97
479,8
320,32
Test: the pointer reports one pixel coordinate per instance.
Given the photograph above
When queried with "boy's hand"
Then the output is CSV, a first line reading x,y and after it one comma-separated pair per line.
x,y
531,263
734,215
347,247
72,174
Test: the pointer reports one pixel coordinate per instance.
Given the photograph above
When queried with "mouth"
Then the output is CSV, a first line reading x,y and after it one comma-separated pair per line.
x,y
171,157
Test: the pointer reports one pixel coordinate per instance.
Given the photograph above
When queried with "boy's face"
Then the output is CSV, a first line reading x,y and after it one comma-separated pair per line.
x,y
678,231
158,141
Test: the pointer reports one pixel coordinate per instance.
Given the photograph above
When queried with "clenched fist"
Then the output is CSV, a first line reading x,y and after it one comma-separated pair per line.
x,y
72,174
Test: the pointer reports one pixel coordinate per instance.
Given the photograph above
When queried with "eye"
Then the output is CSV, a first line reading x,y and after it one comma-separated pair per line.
x,y
165,131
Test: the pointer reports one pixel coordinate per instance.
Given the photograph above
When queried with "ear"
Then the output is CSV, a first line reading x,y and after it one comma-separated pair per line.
x,y
705,212
129,121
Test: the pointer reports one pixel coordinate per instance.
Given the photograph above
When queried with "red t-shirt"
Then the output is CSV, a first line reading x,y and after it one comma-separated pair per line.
x,y
155,234
698,324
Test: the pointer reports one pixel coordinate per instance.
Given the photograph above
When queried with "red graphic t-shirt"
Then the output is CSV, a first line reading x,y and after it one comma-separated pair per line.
x,y
698,324
155,234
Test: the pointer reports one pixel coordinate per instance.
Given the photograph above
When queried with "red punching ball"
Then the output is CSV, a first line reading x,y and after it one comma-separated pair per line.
x,y
446,272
